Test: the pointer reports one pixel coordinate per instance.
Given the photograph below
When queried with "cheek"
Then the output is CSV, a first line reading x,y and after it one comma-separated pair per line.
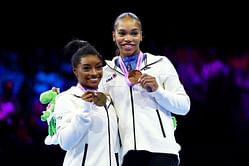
x,y
118,42
100,73
138,41
81,77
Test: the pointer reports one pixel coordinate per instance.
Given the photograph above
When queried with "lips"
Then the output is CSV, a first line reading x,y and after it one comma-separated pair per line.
x,y
127,47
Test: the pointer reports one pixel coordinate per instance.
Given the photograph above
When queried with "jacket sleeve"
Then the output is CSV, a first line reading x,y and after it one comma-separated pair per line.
x,y
72,124
171,94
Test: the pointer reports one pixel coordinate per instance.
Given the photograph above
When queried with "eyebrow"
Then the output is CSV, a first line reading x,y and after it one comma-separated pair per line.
x,y
134,29
87,64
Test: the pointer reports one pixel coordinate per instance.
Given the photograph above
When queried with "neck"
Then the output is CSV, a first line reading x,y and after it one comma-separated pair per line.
x,y
130,55
86,87
90,88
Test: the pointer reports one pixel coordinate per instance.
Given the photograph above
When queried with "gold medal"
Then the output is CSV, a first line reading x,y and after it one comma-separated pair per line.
x,y
99,99
133,76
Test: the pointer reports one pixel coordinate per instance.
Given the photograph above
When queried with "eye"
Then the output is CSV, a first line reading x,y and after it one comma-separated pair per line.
x,y
99,67
121,33
86,68
135,33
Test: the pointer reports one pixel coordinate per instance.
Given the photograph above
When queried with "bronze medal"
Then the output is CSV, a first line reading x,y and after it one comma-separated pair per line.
x,y
99,99
133,76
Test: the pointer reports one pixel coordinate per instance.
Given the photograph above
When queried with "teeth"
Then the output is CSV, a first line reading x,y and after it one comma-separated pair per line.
x,y
94,79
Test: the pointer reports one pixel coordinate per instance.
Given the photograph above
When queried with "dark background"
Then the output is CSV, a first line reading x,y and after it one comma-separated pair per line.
x,y
224,26
168,24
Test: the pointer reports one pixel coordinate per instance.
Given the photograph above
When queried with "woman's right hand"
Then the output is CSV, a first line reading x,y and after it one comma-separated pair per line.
x,y
88,96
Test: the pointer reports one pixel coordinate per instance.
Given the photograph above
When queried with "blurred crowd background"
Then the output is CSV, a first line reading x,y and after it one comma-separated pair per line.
x,y
212,60
216,80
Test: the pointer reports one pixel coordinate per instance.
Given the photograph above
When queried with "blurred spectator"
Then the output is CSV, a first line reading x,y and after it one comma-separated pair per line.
x,y
9,106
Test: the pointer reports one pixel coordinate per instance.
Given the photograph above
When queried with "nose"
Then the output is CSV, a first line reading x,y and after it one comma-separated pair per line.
x,y
127,38
94,71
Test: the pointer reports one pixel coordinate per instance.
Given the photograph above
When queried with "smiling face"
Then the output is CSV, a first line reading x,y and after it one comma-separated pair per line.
x,y
89,71
127,35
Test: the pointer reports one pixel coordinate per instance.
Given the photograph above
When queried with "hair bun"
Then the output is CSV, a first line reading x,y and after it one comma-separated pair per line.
x,y
73,46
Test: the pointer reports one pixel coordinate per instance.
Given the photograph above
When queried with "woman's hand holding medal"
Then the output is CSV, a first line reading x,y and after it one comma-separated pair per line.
x,y
135,76
98,98
148,82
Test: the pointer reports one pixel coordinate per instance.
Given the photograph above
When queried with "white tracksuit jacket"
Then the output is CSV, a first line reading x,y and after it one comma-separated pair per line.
x,y
88,133
145,121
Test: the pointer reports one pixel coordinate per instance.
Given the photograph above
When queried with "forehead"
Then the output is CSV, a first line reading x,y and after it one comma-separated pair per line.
x,y
90,59
128,22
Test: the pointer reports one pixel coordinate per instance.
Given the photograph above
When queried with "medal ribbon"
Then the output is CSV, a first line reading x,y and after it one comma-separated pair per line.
x,y
124,69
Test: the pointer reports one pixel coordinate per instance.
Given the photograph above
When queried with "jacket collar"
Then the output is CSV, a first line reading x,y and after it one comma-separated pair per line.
x,y
148,60
74,90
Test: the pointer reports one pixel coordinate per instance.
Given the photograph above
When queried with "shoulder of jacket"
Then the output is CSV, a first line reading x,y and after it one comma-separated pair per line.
x,y
153,56
153,59
110,63
70,92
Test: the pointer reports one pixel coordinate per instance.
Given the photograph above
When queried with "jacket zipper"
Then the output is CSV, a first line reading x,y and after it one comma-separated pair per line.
x,y
133,119
109,135
116,154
